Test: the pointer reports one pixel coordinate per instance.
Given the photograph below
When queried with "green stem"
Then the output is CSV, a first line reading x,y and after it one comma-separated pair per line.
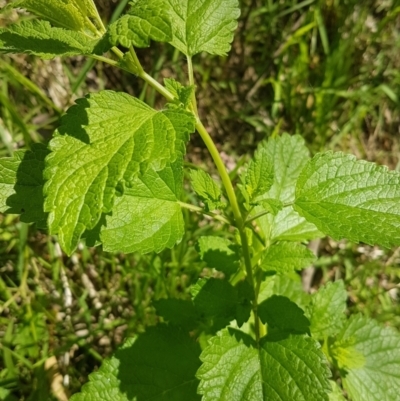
x,y
240,224
104,60
198,209
191,82
226,181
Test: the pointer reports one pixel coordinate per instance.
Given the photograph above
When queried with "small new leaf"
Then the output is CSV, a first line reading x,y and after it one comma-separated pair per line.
x,y
259,176
369,354
182,94
285,369
288,154
273,206
145,21
41,39
284,257
206,188
326,310
104,142
157,365
21,184
347,198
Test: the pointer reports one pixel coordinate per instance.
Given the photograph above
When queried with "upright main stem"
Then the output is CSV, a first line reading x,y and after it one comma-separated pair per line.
x,y
240,223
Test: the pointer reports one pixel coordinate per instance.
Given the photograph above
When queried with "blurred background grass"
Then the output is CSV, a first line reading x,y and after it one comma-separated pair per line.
x,y
327,70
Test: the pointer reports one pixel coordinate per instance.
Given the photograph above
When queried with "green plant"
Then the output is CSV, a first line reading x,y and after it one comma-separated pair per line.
x,y
113,175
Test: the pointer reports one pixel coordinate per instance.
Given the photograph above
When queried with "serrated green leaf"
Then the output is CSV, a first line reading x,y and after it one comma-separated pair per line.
x,y
206,188
286,369
326,310
158,365
219,253
202,25
178,312
21,184
259,175
289,286
41,39
76,15
284,257
145,21
215,298
289,155
348,198
148,217
104,142
183,94
287,225
281,313
369,355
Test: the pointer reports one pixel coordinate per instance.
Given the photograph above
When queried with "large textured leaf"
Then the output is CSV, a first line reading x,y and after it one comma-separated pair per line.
x,y
147,217
326,310
285,257
369,356
179,312
41,39
146,20
282,369
281,313
202,25
70,14
158,365
21,184
215,298
220,254
289,286
103,143
346,198
206,188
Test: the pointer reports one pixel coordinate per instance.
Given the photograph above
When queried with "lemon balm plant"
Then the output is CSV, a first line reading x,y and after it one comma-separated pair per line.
x,y
113,175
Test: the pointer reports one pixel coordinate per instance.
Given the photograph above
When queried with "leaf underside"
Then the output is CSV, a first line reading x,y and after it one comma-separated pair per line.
x,y
71,14
347,198
41,39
